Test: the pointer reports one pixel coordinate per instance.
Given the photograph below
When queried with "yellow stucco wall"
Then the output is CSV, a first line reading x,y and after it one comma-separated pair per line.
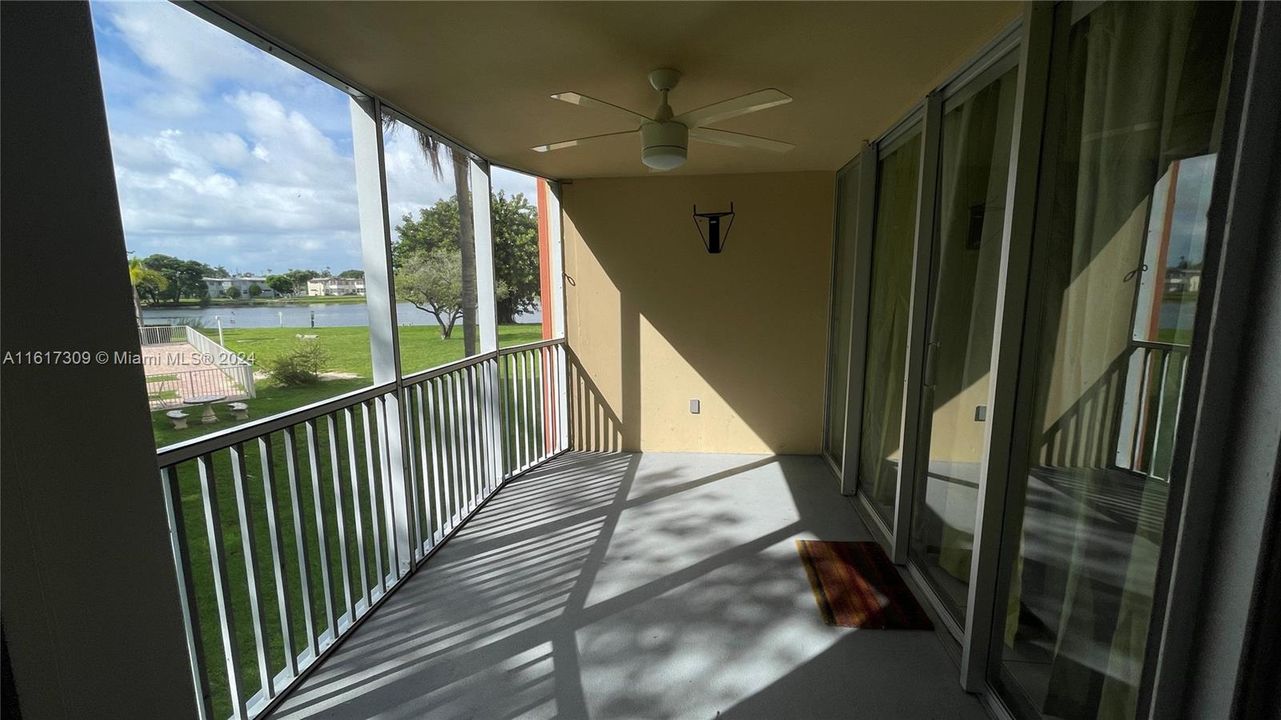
x,y
654,321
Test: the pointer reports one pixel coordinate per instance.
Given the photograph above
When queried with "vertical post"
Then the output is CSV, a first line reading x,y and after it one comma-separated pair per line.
x,y
987,598
486,373
486,308
380,301
546,299
556,263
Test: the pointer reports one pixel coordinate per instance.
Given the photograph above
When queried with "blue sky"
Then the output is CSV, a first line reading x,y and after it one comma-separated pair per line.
x,y
230,156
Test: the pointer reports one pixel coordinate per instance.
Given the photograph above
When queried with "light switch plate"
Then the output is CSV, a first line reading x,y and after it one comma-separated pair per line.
x,y
694,406
980,413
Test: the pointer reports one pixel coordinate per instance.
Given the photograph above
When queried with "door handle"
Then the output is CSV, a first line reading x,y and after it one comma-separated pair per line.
x,y
931,364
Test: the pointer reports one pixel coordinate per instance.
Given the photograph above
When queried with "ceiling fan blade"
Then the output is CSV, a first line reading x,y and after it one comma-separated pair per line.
x,y
577,141
726,109
733,139
582,100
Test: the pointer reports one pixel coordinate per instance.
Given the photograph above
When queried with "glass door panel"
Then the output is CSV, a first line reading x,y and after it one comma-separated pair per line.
x,y
1137,97
975,161
838,362
880,446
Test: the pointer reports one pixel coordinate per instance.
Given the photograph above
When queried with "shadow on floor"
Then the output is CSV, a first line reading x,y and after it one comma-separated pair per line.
x,y
634,586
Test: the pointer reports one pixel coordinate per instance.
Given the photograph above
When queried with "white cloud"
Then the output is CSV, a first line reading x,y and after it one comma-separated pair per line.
x,y
189,50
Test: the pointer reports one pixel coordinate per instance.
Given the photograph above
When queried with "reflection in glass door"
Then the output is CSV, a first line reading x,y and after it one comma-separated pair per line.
x,y
838,358
880,440
1138,94
975,159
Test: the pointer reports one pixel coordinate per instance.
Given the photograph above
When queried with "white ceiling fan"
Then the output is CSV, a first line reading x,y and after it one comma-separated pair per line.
x,y
665,137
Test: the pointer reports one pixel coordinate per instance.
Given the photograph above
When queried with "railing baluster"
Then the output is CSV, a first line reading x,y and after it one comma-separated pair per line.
x,y
431,393
474,435
411,474
313,462
187,591
249,548
340,520
440,485
518,417
221,583
357,515
1164,369
275,535
304,557
389,508
428,541
464,441
531,400
372,482
455,450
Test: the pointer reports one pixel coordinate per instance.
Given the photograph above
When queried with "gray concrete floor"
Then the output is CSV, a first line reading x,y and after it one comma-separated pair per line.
x,y
635,586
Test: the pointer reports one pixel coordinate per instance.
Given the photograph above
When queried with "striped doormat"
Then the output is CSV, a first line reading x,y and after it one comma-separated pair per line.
x,y
856,585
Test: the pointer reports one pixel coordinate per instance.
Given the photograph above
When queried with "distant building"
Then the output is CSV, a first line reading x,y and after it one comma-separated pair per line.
x,y
1180,280
322,286
218,286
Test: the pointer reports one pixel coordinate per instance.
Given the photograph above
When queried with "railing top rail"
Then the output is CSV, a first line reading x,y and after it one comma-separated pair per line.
x,y
188,449
531,346
226,357
429,373
1154,345
195,447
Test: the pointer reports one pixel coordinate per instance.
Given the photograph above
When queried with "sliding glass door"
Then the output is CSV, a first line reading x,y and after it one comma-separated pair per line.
x,y
1137,100
880,441
965,260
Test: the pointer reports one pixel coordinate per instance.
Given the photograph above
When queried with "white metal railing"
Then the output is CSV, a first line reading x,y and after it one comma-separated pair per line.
x,y
1149,412
162,334
211,370
287,531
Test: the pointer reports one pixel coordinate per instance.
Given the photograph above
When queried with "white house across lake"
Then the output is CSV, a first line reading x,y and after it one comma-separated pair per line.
x,y
218,286
322,286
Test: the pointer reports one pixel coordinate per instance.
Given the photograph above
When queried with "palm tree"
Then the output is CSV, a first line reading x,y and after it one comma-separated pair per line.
x,y
430,147
139,274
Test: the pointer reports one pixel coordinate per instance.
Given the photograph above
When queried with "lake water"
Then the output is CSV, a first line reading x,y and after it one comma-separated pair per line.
x,y
292,316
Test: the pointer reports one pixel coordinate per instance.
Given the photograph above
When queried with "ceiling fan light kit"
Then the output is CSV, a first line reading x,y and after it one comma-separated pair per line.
x,y
665,145
665,137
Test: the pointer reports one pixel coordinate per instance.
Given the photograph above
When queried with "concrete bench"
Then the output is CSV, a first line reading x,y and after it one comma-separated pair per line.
x,y
178,418
239,410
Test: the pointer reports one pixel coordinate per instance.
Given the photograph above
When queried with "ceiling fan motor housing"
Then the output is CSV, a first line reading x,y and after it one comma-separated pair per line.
x,y
665,144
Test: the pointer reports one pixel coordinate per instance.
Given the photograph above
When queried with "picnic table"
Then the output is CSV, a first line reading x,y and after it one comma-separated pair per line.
x,y
208,417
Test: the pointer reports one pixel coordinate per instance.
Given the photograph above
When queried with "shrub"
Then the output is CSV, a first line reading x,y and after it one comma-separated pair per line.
x,y
301,364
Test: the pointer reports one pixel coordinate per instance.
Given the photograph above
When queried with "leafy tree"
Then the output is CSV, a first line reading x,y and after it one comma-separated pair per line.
x,y
466,236
142,276
299,279
232,292
186,277
515,224
280,284
355,274
254,291
432,280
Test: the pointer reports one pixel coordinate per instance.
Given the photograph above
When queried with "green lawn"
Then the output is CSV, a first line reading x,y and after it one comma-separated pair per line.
x,y
421,348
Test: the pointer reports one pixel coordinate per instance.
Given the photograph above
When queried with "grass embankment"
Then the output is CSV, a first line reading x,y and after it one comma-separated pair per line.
x,y
323,481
